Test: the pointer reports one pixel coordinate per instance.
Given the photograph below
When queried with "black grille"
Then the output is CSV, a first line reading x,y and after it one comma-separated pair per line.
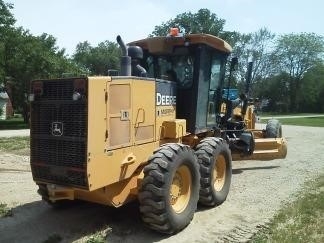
x,y
59,157
59,175
71,115
58,152
57,89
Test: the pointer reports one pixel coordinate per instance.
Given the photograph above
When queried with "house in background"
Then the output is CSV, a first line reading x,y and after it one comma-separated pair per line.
x,y
5,105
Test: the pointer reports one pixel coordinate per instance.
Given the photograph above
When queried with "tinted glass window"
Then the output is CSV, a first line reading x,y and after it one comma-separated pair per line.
x,y
178,67
215,73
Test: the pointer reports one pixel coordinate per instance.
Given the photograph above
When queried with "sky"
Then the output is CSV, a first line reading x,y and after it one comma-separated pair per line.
x,y
74,21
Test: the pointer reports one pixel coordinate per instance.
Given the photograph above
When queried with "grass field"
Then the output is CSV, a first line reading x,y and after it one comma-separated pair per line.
x,y
15,145
304,121
300,221
13,123
4,210
301,121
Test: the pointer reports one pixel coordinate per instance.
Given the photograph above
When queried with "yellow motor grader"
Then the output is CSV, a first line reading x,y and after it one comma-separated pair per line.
x,y
160,131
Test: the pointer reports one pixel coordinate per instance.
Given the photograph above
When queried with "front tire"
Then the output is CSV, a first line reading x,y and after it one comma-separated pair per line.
x,y
215,162
170,189
273,129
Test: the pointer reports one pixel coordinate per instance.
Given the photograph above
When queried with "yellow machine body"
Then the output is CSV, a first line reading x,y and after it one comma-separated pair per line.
x,y
126,120
124,128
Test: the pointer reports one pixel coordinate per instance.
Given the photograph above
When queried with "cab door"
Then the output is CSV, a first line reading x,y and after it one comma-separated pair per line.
x,y
214,87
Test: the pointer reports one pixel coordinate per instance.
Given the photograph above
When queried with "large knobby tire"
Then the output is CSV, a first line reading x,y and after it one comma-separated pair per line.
x,y
215,161
273,129
170,189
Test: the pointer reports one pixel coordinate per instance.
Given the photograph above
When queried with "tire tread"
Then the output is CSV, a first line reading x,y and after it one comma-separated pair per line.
x,y
153,208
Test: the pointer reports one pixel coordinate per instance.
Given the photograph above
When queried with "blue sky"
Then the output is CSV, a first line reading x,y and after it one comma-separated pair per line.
x,y
74,21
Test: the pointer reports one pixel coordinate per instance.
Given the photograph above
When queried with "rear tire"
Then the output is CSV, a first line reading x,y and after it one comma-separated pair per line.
x,y
215,162
170,189
273,129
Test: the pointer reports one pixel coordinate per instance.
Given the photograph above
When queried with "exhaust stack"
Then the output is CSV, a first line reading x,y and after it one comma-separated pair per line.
x,y
125,60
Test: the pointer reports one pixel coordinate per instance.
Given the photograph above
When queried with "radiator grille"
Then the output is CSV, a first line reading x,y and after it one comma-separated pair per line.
x,y
59,158
59,175
58,90
71,115
58,152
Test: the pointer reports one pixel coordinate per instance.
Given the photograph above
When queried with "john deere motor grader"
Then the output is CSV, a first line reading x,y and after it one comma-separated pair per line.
x,y
160,132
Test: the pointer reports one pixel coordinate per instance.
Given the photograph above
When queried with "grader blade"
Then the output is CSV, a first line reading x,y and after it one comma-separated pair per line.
x,y
266,149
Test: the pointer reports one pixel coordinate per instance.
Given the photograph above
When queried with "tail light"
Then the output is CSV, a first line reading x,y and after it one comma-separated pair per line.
x,y
79,85
37,88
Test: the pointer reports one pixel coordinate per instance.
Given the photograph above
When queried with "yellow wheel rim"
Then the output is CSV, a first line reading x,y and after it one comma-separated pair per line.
x,y
219,173
180,189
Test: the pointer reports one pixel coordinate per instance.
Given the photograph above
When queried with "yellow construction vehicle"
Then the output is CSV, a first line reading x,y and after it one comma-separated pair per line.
x,y
155,132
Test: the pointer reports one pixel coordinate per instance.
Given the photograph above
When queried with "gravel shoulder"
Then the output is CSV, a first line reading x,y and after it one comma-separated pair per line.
x,y
259,189
14,133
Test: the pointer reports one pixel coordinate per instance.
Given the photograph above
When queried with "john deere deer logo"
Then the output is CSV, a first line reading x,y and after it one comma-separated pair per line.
x,y
57,129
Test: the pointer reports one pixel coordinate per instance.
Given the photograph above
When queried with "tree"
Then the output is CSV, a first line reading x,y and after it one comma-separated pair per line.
x,y
312,85
274,89
295,54
254,47
6,17
24,57
97,60
7,21
82,56
29,57
201,22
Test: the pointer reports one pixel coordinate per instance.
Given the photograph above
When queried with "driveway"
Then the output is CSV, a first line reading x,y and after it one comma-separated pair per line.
x,y
259,189
14,133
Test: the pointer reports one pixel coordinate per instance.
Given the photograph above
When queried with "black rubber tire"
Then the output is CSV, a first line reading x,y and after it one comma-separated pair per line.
x,y
154,195
273,129
213,152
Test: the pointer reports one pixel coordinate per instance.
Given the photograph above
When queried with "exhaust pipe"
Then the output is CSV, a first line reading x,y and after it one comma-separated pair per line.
x,y
122,46
125,60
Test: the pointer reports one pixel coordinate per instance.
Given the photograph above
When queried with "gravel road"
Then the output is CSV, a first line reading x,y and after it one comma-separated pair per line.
x,y
259,189
14,133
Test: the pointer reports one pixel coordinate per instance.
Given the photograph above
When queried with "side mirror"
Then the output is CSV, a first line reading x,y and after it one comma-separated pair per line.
x,y
234,64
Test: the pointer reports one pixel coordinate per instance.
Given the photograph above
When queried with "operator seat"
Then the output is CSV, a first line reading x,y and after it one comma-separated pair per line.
x,y
171,75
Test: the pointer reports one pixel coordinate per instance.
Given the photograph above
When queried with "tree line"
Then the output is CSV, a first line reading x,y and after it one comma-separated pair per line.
x,y
288,70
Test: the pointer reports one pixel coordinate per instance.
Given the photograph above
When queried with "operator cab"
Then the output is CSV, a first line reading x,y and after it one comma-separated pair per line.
x,y
196,62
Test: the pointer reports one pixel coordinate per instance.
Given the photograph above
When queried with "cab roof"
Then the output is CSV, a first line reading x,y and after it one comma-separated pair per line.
x,y
166,44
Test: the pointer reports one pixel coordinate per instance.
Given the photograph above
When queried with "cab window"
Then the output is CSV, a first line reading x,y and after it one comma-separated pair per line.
x,y
178,67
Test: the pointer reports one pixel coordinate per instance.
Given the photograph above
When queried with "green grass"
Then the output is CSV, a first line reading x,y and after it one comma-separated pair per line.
x,y
5,211
274,114
302,121
16,145
13,124
300,221
98,237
